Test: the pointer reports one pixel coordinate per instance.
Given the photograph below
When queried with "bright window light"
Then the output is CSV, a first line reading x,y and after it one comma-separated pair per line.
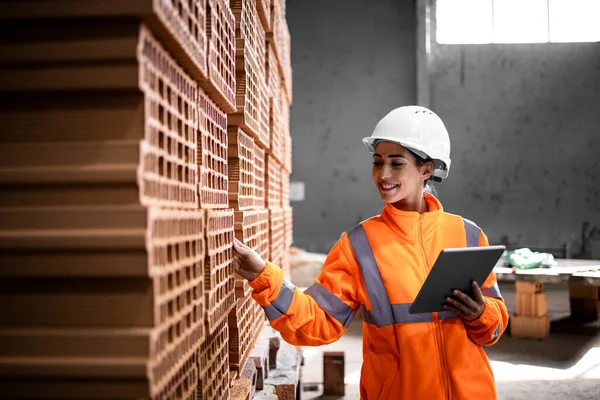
x,y
574,20
520,21
464,21
517,21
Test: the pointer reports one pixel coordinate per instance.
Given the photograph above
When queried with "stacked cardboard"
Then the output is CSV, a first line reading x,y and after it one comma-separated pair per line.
x,y
532,320
137,140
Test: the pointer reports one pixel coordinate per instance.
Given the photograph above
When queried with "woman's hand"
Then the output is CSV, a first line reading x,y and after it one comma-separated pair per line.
x,y
467,308
247,263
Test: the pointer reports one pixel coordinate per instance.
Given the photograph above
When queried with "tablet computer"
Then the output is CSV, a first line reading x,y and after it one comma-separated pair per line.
x,y
455,268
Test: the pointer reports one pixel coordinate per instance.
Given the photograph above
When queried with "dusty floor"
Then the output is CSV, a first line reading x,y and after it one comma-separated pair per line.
x,y
566,366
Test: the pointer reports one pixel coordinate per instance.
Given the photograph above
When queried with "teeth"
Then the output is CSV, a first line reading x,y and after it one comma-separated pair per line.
x,y
386,187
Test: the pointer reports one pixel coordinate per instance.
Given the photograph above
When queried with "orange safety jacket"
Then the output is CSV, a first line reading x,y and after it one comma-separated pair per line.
x,y
380,265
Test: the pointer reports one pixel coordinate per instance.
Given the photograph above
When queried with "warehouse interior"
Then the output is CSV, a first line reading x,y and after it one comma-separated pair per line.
x,y
139,139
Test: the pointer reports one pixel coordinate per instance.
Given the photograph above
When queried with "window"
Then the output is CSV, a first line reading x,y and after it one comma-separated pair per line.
x,y
517,21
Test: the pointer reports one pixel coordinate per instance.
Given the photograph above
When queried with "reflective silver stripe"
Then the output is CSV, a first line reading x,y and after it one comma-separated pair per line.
x,y
402,316
473,233
332,304
281,304
381,314
447,314
493,291
272,312
496,334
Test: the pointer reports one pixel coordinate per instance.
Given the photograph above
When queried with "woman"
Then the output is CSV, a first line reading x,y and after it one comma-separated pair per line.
x,y
381,264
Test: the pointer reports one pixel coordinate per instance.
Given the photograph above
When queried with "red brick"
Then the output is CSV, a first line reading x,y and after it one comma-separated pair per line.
x,y
273,179
241,337
219,280
221,85
276,235
264,13
530,327
212,154
242,191
213,358
260,176
181,29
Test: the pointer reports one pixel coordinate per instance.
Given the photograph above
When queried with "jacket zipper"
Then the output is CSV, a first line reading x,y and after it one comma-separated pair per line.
x,y
436,321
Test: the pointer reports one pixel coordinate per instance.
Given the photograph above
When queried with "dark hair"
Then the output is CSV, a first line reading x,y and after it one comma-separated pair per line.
x,y
428,183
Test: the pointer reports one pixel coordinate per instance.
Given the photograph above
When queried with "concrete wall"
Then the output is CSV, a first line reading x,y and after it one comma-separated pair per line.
x,y
353,61
524,122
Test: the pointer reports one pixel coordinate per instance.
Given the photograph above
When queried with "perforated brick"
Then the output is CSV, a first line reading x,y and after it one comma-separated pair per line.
x,y
289,227
212,154
259,318
214,365
167,168
248,226
275,35
249,32
275,92
287,144
219,274
221,85
287,138
144,307
263,7
273,182
252,94
146,97
276,235
185,382
285,189
241,331
260,181
263,234
242,191
180,25
251,97
286,62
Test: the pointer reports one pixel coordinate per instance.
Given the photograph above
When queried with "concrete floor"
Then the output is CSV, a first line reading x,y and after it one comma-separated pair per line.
x,y
566,366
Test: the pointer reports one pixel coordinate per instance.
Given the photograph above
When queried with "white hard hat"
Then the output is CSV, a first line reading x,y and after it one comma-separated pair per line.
x,y
419,130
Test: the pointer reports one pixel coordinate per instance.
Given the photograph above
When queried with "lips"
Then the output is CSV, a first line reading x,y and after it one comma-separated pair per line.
x,y
388,187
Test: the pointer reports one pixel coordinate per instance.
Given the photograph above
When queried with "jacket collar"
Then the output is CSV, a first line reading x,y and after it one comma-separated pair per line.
x,y
408,224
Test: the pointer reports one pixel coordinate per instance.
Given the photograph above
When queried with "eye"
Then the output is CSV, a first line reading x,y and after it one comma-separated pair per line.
x,y
377,163
397,164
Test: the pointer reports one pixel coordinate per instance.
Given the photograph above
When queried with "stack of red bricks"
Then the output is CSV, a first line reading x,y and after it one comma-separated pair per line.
x,y
137,141
257,157
531,320
102,239
279,161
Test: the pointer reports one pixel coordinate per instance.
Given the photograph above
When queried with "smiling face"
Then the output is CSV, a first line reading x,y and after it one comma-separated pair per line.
x,y
399,175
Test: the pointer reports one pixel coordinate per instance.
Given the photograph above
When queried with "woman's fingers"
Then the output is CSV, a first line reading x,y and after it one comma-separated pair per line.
x,y
477,293
466,300
458,305
455,310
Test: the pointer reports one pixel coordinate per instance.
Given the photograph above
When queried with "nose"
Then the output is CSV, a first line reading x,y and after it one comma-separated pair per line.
x,y
385,172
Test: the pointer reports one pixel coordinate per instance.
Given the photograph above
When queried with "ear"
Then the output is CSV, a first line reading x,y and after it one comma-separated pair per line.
x,y
427,170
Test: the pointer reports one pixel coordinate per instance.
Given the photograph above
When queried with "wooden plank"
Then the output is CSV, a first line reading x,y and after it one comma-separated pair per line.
x,y
591,278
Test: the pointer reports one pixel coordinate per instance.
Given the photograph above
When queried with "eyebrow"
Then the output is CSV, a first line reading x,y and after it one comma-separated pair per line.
x,y
390,156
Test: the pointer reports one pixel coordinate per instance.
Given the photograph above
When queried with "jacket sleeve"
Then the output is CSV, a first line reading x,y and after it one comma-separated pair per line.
x,y
487,329
321,313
